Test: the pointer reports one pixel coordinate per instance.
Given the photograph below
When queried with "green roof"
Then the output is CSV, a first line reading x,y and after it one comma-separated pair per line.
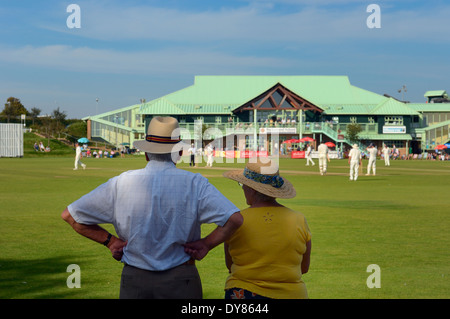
x,y
435,93
430,107
437,125
163,106
223,94
387,106
101,115
342,109
393,107
386,137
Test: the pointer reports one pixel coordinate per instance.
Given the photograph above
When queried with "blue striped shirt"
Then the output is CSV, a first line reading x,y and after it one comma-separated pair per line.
x,y
156,209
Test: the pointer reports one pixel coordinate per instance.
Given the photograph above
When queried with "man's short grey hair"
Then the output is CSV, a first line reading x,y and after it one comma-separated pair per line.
x,y
167,157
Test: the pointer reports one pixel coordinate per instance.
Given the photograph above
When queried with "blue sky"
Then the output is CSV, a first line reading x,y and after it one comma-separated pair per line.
x,y
129,50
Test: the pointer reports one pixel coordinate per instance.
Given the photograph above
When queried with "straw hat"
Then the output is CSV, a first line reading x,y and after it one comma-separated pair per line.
x,y
355,145
264,178
163,136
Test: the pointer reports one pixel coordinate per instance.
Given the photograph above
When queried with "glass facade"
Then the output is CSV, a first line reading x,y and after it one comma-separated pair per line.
x,y
110,133
119,128
435,118
437,136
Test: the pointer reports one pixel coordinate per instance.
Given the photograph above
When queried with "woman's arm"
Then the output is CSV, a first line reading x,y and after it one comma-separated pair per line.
x,y
228,259
200,248
306,258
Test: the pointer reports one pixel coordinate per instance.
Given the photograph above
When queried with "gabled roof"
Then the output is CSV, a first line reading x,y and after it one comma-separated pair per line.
x,y
393,107
162,106
278,97
222,94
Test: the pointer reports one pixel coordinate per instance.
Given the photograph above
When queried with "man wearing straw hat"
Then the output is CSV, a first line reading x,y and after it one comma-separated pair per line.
x,y
155,212
269,253
354,159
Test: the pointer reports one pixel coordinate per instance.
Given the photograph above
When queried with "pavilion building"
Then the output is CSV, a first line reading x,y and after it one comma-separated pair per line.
x,y
243,112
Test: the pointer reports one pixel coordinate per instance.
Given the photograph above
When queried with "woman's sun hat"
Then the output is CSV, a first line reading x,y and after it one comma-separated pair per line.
x,y
263,177
163,136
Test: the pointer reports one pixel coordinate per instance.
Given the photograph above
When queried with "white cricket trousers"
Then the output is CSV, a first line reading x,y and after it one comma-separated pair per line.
x,y
372,164
354,169
78,161
322,164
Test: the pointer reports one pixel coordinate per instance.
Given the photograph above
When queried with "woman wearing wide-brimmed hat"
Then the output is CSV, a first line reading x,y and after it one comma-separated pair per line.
x,y
269,253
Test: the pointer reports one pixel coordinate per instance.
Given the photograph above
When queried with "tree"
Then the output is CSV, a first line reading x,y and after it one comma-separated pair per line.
x,y
76,130
58,122
59,116
13,109
352,132
35,112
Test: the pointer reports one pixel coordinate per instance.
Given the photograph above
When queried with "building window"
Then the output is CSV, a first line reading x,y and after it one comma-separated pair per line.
x,y
248,142
398,144
371,120
393,120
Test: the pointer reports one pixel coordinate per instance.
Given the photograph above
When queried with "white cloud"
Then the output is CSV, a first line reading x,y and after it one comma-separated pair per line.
x,y
257,37
179,61
316,23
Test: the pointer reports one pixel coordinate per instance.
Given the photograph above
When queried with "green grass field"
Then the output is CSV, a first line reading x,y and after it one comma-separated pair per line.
x,y
398,220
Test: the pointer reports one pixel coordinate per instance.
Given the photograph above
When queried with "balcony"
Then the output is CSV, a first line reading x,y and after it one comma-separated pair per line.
x,y
218,130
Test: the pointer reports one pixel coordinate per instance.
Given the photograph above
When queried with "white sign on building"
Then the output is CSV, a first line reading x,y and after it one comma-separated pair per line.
x,y
278,130
394,129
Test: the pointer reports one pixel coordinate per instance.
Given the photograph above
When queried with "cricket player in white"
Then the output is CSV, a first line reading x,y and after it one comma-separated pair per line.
x,y
323,157
309,156
386,152
372,159
78,157
209,153
354,159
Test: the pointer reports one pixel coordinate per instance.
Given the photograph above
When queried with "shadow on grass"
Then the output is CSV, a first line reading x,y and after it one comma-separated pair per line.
x,y
36,278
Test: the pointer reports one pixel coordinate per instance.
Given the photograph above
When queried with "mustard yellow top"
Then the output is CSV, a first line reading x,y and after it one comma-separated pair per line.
x,y
267,252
